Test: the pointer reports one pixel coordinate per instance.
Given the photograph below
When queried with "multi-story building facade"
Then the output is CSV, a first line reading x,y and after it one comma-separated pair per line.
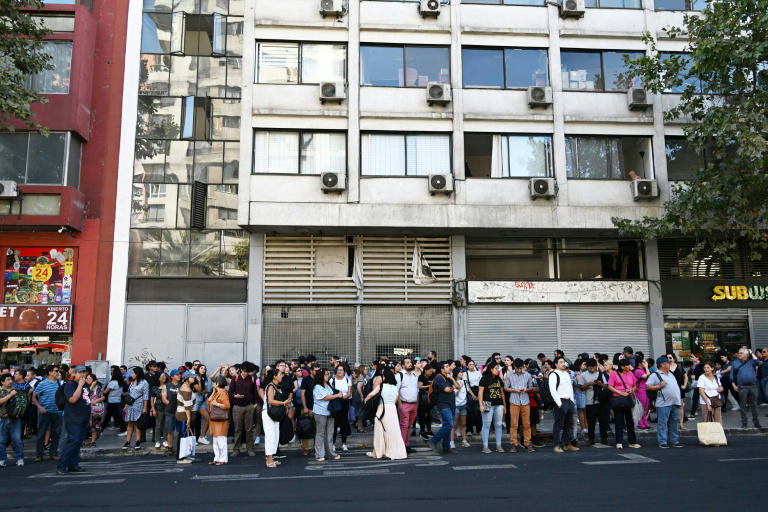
x,y
496,139
57,203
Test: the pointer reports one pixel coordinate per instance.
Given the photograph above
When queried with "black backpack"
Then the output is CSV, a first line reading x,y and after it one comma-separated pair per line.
x,y
61,399
371,406
305,427
546,393
652,394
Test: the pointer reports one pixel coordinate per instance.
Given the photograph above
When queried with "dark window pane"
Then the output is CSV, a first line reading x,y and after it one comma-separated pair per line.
x,y
13,156
524,2
426,64
617,78
73,165
526,67
381,66
507,259
688,65
156,33
581,70
478,151
482,68
591,157
599,259
46,159
682,160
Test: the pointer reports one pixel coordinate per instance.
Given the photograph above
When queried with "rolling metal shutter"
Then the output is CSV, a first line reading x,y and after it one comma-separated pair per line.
x,y
706,314
519,330
396,331
604,328
759,328
291,331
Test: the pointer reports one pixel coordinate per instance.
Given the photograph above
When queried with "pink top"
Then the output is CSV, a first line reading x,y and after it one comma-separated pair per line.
x,y
639,373
616,382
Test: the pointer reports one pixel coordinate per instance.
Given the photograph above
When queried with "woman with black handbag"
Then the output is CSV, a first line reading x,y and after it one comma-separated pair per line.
x,y
276,409
709,388
623,384
137,405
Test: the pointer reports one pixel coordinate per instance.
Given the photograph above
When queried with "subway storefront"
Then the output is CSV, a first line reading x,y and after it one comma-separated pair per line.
x,y
710,316
37,308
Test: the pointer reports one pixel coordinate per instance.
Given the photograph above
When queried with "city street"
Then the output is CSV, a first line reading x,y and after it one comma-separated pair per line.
x,y
693,477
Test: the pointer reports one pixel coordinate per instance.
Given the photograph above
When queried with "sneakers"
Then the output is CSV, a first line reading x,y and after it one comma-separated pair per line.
x,y
619,446
499,449
344,448
251,453
203,440
336,457
558,449
126,446
157,445
165,444
256,440
424,436
320,459
122,434
571,448
664,446
486,449
184,461
634,446
513,449
2,463
137,447
600,445
465,444
294,439
691,416
529,449
453,445
20,462
678,445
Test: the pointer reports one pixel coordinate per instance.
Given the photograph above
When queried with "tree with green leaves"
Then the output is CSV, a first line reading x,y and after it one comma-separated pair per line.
x,y
723,76
21,55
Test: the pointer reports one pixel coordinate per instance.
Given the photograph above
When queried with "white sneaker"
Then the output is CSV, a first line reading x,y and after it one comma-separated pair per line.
x,y
344,448
203,440
465,444
20,462
256,440
165,444
157,445
453,445
295,439
2,463
122,434
184,461
619,446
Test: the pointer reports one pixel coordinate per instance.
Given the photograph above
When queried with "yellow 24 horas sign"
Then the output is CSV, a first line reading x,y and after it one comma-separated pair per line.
x,y
740,292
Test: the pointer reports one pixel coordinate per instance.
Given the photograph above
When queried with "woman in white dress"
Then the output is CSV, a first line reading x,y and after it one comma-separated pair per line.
x,y
387,440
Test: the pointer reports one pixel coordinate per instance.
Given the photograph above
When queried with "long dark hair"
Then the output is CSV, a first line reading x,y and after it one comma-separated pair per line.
x,y
117,375
490,366
388,377
138,373
319,379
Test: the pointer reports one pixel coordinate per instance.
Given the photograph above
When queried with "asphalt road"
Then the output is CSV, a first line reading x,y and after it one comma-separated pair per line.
x,y
693,478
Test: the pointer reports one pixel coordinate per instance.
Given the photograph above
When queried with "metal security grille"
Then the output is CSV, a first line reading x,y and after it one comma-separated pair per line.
x,y
396,331
604,328
291,331
519,330
759,328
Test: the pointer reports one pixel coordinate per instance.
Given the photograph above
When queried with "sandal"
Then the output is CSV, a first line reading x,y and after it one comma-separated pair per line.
x,y
272,465
219,463
213,463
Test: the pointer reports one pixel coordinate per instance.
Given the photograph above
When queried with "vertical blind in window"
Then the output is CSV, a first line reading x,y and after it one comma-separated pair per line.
x,y
299,152
276,152
278,63
405,155
427,154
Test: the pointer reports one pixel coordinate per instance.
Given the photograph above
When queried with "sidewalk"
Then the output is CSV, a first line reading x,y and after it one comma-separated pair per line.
x,y
109,444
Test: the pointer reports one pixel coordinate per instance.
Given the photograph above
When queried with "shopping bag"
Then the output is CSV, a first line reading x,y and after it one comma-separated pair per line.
x,y
187,447
711,433
637,411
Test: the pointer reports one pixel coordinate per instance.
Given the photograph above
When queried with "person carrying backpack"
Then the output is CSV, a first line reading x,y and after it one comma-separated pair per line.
x,y
12,407
561,390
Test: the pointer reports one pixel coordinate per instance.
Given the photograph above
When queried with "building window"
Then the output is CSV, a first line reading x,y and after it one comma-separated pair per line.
x,y
608,158
34,159
499,259
599,259
698,85
584,70
504,68
614,4
300,63
505,2
680,5
404,66
387,154
56,80
682,160
507,156
302,152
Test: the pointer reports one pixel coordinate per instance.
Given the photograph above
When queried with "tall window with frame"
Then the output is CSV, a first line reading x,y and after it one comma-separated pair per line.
x,y
595,70
29,158
680,5
488,155
614,4
608,158
682,160
55,80
404,66
510,68
299,152
397,154
300,63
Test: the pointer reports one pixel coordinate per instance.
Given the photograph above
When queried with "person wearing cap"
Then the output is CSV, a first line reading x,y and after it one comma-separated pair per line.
x,y
668,400
77,414
168,395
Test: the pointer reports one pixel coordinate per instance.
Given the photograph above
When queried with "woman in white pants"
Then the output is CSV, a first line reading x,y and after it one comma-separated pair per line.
x,y
220,399
274,398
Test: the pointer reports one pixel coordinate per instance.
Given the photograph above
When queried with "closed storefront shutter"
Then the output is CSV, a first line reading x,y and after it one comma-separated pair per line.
x,y
759,328
519,330
397,331
291,331
705,314
604,328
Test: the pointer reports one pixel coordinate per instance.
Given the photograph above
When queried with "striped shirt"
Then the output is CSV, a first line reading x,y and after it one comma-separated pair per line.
x,y
46,395
514,380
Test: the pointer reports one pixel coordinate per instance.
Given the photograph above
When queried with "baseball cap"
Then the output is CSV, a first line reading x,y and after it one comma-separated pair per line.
x,y
188,374
174,372
661,360
80,369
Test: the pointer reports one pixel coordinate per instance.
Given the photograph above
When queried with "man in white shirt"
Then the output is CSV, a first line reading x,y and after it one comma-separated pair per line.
x,y
562,392
408,400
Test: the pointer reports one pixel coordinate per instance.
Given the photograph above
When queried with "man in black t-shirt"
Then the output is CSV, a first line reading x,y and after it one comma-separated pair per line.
x,y
445,385
423,412
77,413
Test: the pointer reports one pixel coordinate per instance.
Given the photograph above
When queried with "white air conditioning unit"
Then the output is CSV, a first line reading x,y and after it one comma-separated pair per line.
x,y
429,8
539,96
333,181
644,189
637,99
440,184
542,187
8,189
333,92
571,8
438,94
332,7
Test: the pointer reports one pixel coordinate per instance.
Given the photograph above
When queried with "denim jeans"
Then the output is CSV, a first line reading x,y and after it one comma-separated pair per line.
x,y
447,415
764,389
748,397
70,452
562,430
495,414
11,428
668,422
45,420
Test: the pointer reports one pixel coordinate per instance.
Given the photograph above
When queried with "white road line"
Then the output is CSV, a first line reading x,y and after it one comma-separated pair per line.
x,y
289,477
740,460
632,458
225,478
357,473
486,466
89,482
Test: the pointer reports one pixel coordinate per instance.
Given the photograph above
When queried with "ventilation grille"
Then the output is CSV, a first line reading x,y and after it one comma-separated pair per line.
x,y
541,186
329,90
571,5
639,96
199,200
436,92
538,94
